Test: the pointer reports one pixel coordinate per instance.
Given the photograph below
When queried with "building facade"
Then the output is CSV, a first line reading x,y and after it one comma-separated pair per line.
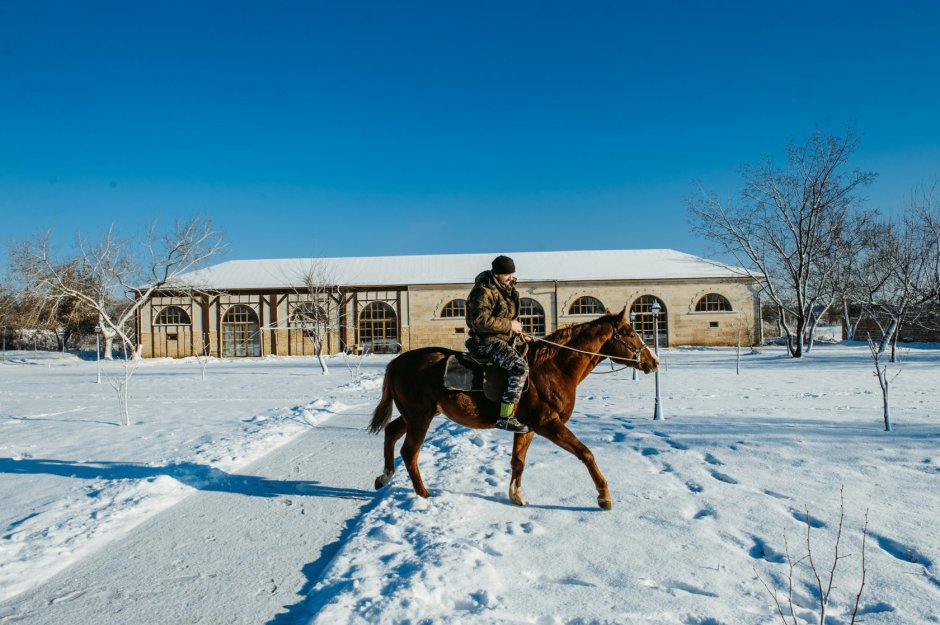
x,y
391,304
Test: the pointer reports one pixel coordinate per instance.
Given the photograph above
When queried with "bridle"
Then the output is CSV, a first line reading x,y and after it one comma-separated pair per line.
x,y
617,337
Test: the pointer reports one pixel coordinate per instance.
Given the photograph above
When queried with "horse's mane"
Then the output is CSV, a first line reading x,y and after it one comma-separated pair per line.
x,y
563,336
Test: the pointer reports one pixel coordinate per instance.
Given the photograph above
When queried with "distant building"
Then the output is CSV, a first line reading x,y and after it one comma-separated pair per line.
x,y
394,303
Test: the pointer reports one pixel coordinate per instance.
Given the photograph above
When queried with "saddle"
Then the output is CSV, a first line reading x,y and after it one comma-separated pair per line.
x,y
464,372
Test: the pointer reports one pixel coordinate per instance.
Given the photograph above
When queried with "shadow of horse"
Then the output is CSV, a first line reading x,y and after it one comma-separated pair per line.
x,y
199,476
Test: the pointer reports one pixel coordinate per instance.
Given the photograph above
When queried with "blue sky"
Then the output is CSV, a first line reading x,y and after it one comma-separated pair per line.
x,y
373,128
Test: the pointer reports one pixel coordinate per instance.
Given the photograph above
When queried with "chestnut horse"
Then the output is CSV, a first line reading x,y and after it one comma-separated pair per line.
x,y
557,364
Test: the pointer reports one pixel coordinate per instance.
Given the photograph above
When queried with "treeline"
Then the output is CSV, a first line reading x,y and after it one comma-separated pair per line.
x,y
804,230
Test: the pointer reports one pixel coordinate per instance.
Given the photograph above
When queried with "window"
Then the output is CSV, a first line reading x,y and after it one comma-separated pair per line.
x,y
713,302
172,316
455,308
586,305
532,316
241,332
378,329
641,317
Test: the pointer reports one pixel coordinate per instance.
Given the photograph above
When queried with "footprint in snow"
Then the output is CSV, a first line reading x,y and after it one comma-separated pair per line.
x,y
721,477
802,517
902,552
712,460
670,442
761,551
694,620
775,494
693,487
690,589
705,513
876,608
69,596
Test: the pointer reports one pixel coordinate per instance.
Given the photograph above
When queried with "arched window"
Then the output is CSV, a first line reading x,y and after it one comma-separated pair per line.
x,y
241,332
641,317
378,329
532,316
172,316
713,302
455,308
586,305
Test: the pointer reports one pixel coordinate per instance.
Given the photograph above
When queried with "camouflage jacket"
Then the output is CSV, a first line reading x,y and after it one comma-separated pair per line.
x,y
491,307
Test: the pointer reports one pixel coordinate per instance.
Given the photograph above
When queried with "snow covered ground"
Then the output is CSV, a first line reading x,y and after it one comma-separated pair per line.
x,y
703,501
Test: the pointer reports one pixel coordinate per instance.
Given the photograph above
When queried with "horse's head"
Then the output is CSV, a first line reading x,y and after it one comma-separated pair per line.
x,y
626,347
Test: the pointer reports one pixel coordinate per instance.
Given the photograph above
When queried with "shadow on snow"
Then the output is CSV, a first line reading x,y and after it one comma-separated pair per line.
x,y
199,476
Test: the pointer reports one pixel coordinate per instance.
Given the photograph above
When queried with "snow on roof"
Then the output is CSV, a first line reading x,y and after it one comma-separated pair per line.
x,y
459,269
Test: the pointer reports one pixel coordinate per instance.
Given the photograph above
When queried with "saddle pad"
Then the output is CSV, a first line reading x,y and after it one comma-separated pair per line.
x,y
459,377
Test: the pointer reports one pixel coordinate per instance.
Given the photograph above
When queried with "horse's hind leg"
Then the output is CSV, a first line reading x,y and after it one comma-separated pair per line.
x,y
417,430
558,433
393,431
520,446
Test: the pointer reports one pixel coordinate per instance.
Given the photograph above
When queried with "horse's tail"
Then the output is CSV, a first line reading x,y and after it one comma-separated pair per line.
x,y
383,412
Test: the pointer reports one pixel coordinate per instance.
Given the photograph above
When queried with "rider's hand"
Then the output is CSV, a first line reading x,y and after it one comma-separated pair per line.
x,y
516,326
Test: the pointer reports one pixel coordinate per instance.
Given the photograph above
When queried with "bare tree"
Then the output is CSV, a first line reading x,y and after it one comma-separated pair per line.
x,y
63,317
881,372
850,277
203,359
789,226
890,276
897,274
114,268
925,213
318,316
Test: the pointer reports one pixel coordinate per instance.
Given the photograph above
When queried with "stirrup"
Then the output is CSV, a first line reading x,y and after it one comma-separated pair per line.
x,y
510,424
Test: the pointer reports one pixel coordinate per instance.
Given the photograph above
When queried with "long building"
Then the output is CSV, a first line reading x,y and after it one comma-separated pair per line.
x,y
386,304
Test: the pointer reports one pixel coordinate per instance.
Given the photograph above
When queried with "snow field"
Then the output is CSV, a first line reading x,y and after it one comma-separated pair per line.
x,y
703,503
62,502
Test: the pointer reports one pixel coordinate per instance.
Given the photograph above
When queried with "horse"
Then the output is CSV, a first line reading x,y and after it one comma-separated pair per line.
x,y
414,381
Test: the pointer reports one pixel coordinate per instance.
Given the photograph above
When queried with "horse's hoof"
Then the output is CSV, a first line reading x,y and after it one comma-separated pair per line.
x,y
604,503
423,493
383,480
515,494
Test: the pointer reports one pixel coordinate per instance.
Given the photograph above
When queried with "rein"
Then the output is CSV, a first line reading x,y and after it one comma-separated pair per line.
x,y
636,353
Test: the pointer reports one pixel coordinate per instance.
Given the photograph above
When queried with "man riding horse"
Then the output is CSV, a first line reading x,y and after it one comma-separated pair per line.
x,y
493,317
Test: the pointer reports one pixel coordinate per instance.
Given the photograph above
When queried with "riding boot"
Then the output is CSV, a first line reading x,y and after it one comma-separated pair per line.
x,y
507,419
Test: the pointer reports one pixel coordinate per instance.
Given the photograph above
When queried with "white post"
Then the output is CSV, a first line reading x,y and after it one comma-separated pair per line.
x,y
657,410
3,332
633,323
98,352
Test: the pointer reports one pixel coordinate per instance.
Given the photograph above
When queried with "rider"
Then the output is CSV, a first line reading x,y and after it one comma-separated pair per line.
x,y
493,318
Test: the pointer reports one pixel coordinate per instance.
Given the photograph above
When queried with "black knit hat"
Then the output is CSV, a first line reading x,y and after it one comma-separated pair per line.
x,y
503,265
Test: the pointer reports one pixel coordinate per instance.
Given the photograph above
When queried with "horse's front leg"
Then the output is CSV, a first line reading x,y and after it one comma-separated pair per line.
x,y
558,433
520,447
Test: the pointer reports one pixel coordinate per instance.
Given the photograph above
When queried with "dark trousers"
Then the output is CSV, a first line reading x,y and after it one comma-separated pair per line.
x,y
513,363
